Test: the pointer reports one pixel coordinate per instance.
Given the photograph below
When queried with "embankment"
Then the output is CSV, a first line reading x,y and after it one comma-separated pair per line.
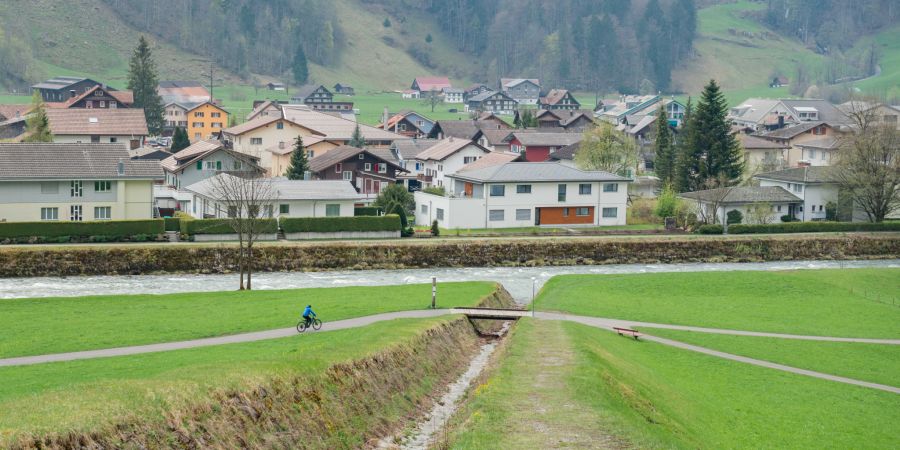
x,y
123,259
348,406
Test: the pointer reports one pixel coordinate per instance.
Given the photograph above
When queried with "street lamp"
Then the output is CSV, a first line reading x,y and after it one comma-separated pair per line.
x,y
533,284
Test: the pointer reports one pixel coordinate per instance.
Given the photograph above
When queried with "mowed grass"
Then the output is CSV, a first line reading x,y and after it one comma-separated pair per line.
x,y
81,395
55,325
888,82
833,302
877,363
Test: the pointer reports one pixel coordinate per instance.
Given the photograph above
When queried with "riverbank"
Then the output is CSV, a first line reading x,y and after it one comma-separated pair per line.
x,y
506,252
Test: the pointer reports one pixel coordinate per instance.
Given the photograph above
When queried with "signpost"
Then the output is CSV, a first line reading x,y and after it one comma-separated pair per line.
x,y
433,291
533,283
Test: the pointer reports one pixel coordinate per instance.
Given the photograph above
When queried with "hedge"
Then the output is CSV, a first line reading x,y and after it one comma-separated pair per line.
x,y
367,211
109,228
811,227
172,223
389,222
221,226
710,229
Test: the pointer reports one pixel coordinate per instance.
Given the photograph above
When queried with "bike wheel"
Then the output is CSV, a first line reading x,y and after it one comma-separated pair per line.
x,y
317,324
301,326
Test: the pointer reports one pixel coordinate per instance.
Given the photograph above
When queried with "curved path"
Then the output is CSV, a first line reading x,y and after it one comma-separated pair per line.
x,y
599,322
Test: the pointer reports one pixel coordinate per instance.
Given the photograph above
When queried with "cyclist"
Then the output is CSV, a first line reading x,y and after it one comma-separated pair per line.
x,y
308,314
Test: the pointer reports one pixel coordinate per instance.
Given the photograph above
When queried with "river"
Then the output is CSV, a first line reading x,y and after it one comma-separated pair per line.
x,y
519,281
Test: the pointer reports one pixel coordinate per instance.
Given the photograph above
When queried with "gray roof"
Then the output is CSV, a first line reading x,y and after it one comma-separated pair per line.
x,y
754,109
754,142
791,131
567,152
465,129
410,148
54,161
343,153
809,175
485,95
306,90
745,194
540,139
827,112
58,82
286,189
535,172
827,143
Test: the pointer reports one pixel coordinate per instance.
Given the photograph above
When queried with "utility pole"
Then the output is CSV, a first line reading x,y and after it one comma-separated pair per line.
x,y
433,292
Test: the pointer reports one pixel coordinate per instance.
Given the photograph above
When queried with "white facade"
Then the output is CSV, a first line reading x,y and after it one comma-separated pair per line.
x,y
815,196
453,96
204,207
451,164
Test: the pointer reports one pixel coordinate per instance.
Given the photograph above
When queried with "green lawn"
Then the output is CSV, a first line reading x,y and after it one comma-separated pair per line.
x,y
838,302
888,83
54,325
876,363
83,394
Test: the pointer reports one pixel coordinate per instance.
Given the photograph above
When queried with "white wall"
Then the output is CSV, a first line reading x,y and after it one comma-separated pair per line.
x,y
813,195
296,208
458,212
451,164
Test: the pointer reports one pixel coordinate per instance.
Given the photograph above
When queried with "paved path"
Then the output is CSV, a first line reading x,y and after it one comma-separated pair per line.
x,y
230,339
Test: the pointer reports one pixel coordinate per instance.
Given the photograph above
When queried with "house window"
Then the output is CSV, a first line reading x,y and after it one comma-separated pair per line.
x,y
611,187
197,136
237,165
197,124
49,213
310,154
523,214
498,190
89,104
368,167
338,168
424,209
210,165
382,168
215,114
362,156
778,208
348,175
94,139
75,213
75,188
523,189
102,104
582,211
113,140
279,125
561,193
216,124
284,208
819,130
50,187
495,215
102,212
584,189
102,186
798,188
610,213
256,141
469,159
332,210
565,212
198,114
113,104
439,212
811,154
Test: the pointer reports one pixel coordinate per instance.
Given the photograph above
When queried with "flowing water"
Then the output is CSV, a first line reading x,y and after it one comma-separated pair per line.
x,y
521,282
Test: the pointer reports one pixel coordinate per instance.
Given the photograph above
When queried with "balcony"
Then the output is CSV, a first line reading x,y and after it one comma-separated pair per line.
x,y
424,178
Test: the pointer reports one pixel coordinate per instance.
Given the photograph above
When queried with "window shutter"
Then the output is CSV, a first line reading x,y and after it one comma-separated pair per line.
x,y
218,165
199,165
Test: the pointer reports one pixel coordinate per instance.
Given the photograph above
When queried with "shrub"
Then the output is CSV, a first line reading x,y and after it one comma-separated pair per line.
x,y
813,227
831,211
172,223
641,211
389,222
367,211
734,216
221,226
435,230
710,229
787,218
114,229
666,203
435,190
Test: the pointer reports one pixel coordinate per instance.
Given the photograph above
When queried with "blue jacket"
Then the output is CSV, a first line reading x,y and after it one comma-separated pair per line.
x,y
308,312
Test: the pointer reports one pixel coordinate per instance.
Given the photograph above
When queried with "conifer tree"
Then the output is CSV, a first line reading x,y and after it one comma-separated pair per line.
x,y
357,140
299,162
686,161
664,162
713,137
37,126
143,82
180,140
300,67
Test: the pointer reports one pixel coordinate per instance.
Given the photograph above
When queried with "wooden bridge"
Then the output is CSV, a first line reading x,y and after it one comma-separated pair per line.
x,y
491,313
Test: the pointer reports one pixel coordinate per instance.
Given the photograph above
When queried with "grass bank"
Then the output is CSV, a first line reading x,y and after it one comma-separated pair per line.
x,y
838,302
56,325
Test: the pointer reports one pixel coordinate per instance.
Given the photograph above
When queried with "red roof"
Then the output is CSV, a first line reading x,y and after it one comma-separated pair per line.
x,y
432,83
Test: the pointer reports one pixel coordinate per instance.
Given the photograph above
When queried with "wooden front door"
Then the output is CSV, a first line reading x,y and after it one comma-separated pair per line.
x,y
469,188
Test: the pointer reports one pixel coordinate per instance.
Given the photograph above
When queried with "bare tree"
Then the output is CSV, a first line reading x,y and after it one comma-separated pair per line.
x,y
717,189
605,148
868,165
433,99
759,213
248,204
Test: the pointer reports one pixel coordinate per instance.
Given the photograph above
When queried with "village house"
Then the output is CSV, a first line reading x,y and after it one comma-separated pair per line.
x,y
447,156
631,109
876,113
408,94
343,89
408,123
201,160
265,108
368,172
494,139
525,91
13,121
183,92
291,198
123,126
453,95
809,143
427,86
97,97
61,89
815,186
762,155
275,86
538,146
74,182
494,102
764,115
562,120
205,120
523,194
474,90
319,98
559,99
406,152
768,202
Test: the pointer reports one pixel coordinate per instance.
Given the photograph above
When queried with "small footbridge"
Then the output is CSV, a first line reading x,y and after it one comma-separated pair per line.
x,y
491,313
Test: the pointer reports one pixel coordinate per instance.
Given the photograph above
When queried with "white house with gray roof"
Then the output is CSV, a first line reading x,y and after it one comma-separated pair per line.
x,y
447,156
715,204
74,182
815,186
523,194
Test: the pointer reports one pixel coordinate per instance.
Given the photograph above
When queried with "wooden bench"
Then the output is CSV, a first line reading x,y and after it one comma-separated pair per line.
x,y
627,331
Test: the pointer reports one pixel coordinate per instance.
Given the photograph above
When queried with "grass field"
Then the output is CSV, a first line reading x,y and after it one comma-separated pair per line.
x,y
653,396
868,362
888,83
838,302
80,395
55,325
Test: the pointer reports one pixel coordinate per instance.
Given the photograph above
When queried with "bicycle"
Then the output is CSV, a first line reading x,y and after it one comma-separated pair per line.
x,y
315,323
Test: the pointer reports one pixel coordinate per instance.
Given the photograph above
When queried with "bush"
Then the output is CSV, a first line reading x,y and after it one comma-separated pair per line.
x,y
831,211
221,226
641,211
407,232
113,229
666,203
710,229
367,211
734,217
813,227
172,223
389,222
435,190
787,218
435,230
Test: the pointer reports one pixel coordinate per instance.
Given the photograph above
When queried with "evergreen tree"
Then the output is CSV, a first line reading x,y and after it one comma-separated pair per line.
x,y
300,66
357,140
180,140
686,160
428,38
664,161
143,82
299,163
712,137
37,126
